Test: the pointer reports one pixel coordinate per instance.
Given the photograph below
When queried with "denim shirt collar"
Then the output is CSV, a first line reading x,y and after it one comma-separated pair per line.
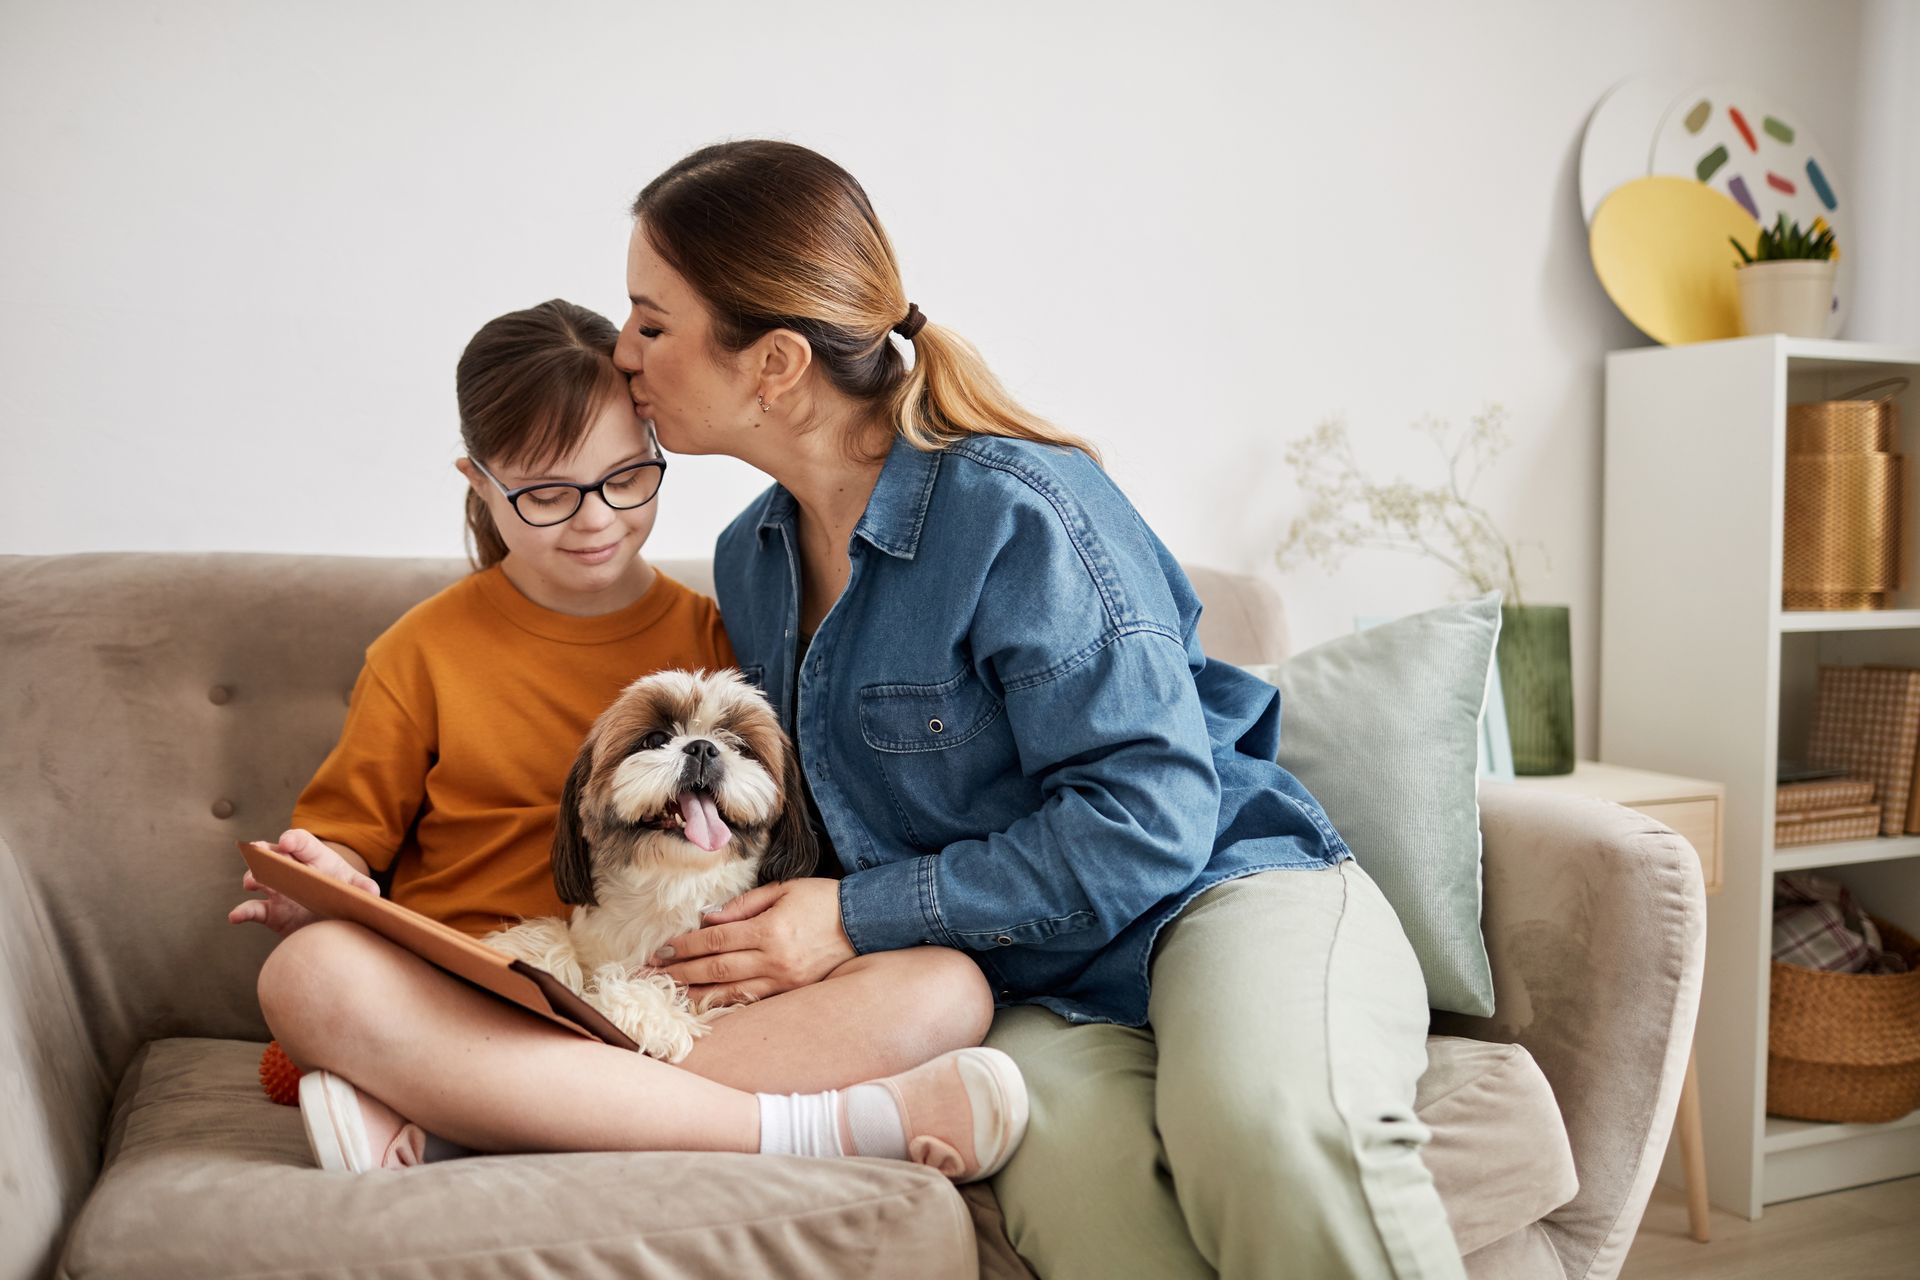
x,y
896,511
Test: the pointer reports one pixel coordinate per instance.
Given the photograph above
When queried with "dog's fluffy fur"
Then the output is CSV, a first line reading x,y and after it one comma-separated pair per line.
x,y
630,858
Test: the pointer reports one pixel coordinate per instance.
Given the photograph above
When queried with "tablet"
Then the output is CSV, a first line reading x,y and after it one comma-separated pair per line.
x,y
532,988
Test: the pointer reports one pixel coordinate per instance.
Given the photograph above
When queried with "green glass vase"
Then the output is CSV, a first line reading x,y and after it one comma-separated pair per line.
x,y
1536,678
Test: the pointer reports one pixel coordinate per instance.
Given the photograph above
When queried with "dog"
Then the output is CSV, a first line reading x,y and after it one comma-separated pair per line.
x,y
685,794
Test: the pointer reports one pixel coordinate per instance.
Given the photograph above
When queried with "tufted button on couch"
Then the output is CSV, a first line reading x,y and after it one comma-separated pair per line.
x,y
155,708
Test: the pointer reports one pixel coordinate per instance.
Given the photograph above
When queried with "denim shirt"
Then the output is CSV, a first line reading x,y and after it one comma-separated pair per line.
x,y
1016,745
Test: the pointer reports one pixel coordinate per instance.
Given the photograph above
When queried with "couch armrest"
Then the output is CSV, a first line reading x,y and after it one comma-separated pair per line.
x,y
1595,919
53,1098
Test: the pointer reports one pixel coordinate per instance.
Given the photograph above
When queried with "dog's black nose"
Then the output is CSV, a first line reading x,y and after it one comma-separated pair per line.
x,y
702,750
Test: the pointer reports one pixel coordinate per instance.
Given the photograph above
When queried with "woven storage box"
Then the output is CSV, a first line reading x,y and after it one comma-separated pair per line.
x,y
1844,503
1828,793
1818,826
1846,1046
1866,720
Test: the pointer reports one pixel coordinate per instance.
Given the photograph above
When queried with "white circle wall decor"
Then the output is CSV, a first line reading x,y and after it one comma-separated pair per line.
x,y
1618,144
1757,149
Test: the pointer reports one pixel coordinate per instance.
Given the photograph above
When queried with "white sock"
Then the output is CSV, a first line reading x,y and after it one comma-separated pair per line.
x,y
808,1124
873,1118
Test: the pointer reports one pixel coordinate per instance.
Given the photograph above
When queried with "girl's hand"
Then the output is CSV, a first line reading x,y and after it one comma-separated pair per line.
x,y
767,940
277,911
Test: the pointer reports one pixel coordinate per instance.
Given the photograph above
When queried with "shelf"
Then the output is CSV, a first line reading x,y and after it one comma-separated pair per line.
x,y
1841,853
1704,673
1826,352
1850,620
1790,1135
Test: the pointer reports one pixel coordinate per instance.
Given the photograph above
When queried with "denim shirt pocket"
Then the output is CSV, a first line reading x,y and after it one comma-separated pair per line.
x,y
905,718
937,747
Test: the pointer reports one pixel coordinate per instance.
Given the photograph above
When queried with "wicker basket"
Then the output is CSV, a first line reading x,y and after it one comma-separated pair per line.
x,y
1846,1046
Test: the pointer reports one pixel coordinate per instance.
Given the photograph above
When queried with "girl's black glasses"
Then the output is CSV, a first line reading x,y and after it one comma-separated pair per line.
x,y
554,502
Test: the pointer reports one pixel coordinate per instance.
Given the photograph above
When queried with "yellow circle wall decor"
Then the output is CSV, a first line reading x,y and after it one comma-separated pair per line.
x,y
1660,249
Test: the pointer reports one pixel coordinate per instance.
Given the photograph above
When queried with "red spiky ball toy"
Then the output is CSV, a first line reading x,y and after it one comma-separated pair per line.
x,y
279,1077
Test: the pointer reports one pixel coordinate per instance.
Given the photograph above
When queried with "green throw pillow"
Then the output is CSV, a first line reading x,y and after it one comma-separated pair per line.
x,y
1383,726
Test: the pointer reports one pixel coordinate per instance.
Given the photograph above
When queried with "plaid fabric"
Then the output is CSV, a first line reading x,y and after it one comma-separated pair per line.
x,y
1866,720
1814,935
1818,925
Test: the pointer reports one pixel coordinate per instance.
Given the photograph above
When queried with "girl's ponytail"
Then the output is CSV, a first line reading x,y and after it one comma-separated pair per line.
x,y
485,547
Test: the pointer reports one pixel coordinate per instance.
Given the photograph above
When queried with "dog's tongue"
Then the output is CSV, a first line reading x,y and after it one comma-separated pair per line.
x,y
704,825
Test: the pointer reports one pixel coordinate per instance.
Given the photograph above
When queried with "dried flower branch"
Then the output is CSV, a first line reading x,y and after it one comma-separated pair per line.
x,y
1348,512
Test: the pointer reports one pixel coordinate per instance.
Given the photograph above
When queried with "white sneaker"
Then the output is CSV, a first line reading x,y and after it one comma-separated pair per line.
x,y
353,1132
964,1112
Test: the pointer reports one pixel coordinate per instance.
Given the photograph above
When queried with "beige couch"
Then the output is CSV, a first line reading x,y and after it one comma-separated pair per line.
x,y
157,707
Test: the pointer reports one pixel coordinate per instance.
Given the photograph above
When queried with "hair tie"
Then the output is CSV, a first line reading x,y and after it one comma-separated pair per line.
x,y
915,321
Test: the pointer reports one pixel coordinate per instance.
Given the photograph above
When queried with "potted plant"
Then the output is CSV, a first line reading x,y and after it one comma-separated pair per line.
x,y
1786,283
1348,511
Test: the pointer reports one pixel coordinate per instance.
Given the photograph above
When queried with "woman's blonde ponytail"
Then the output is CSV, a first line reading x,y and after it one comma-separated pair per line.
x,y
950,394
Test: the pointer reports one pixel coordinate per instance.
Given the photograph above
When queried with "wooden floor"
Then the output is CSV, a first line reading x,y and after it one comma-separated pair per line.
x,y
1870,1233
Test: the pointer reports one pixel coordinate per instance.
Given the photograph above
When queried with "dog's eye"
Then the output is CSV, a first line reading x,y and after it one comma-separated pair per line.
x,y
655,740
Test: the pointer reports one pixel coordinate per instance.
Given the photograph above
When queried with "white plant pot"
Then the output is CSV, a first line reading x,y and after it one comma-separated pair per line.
x,y
1793,297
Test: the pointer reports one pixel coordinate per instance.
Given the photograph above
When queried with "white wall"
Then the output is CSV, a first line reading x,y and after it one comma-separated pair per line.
x,y
241,244
1887,136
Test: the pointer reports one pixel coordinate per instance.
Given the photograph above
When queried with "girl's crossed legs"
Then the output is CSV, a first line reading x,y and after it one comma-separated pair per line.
x,y
475,1071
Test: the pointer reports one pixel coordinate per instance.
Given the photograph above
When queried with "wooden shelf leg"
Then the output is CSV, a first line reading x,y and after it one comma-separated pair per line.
x,y
1693,1154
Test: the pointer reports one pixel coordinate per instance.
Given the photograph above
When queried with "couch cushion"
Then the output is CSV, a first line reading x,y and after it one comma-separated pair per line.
x,y
1499,1156
206,1177
1383,727
1527,1254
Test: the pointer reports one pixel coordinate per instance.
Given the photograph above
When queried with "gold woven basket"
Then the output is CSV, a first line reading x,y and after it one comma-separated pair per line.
x,y
1844,501
1845,1047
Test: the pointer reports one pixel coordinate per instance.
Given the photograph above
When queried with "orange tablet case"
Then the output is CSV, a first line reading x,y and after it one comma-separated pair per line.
x,y
531,988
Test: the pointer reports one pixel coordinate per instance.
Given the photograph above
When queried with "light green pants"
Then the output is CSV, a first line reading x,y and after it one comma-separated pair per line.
x,y
1262,1125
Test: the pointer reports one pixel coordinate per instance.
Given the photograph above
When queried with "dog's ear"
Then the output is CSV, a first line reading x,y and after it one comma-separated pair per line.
x,y
572,858
792,852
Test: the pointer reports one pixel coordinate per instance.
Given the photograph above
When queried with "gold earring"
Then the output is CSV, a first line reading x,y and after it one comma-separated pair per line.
x,y
764,406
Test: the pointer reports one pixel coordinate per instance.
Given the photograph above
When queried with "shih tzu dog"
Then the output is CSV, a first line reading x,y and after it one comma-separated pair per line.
x,y
685,794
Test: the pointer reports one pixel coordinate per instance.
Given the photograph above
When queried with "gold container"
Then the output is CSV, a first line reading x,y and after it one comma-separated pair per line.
x,y
1844,500
1843,426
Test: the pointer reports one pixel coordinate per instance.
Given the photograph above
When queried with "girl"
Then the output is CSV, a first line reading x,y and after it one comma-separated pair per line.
x,y
448,772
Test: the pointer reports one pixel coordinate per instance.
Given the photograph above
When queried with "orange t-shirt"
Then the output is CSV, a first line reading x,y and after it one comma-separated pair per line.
x,y
463,725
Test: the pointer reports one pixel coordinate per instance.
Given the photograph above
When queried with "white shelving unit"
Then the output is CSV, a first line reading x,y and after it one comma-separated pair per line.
x,y
1702,673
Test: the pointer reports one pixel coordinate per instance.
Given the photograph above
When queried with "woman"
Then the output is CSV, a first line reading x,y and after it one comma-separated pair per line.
x,y
1018,750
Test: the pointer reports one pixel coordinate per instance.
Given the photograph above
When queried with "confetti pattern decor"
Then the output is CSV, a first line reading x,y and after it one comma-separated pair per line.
x,y
1757,150
1660,249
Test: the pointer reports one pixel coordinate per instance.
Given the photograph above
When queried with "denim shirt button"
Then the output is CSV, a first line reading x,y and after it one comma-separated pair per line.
x,y
926,942
1004,940
936,726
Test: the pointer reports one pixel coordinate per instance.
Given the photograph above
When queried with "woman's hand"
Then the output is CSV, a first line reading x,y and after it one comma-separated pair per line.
x,y
277,911
767,940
